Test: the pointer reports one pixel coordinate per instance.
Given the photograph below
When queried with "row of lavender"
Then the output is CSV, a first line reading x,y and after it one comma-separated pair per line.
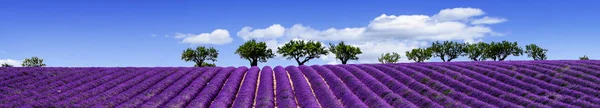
x,y
457,84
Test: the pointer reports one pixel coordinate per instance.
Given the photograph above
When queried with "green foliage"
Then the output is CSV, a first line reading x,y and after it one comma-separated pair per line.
x,y
6,65
344,52
254,52
585,57
476,51
204,64
501,50
389,58
302,51
419,54
200,55
536,52
33,62
449,49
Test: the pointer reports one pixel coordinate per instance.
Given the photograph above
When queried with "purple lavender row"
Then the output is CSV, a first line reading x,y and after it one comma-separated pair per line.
x,y
51,100
575,77
455,71
399,88
32,88
531,87
173,90
284,93
303,92
412,83
154,90
227,94
571,94
120,97
322,92
343,93
35,99
203,100
265,95
582,85
118,89
104,87
483,91
589,70
34,76
245,95
185,96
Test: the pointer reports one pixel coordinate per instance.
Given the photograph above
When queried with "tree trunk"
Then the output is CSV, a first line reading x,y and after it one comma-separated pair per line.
x,y
344,61
254,63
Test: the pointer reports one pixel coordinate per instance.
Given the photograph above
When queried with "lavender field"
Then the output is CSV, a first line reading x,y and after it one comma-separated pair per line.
x,y
457,84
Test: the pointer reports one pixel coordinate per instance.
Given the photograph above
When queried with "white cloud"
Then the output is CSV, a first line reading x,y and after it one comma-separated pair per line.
x,y
271,32
488,20
391,33
457,14
217,37
11,62
153,35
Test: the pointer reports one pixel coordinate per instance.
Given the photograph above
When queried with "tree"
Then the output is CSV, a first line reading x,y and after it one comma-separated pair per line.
x,y
302,51
344,52
206,65
536,52
449,49
33,62
476,51
200,55
389,58
501,50
254,52
419,54
585,57
6,65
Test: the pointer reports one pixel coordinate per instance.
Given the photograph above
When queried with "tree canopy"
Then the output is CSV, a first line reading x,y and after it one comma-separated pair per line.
x,y
585,57
501,50
302,51
419,54
254,52
389,57
536,52
200,55
476,51
344,52
447,51
6,65
33,62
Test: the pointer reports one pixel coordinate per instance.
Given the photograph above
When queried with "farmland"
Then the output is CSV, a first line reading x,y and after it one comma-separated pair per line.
x,y
554,83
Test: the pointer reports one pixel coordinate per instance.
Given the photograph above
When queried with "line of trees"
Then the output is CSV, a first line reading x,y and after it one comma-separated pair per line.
x,y
497,51
28,62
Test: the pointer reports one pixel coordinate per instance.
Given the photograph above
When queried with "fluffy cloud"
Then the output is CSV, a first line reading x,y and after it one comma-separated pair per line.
x,y
389,33
11,62
271,32
217,37
488,20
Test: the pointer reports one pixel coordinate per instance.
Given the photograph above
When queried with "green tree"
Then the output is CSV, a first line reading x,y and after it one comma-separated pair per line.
x,y
200,55
254,52
302,51
33,62
501,50
206,65
6,65
389,57
476,51
585,57
536,52
419,54
344,52
447,51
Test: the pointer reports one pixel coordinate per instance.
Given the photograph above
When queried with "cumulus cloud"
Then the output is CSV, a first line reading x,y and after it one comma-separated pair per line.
x,y
488,20
217,37
11,62
271,32
389,33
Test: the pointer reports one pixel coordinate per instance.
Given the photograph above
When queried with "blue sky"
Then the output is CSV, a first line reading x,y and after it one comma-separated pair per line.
x,y
153,33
